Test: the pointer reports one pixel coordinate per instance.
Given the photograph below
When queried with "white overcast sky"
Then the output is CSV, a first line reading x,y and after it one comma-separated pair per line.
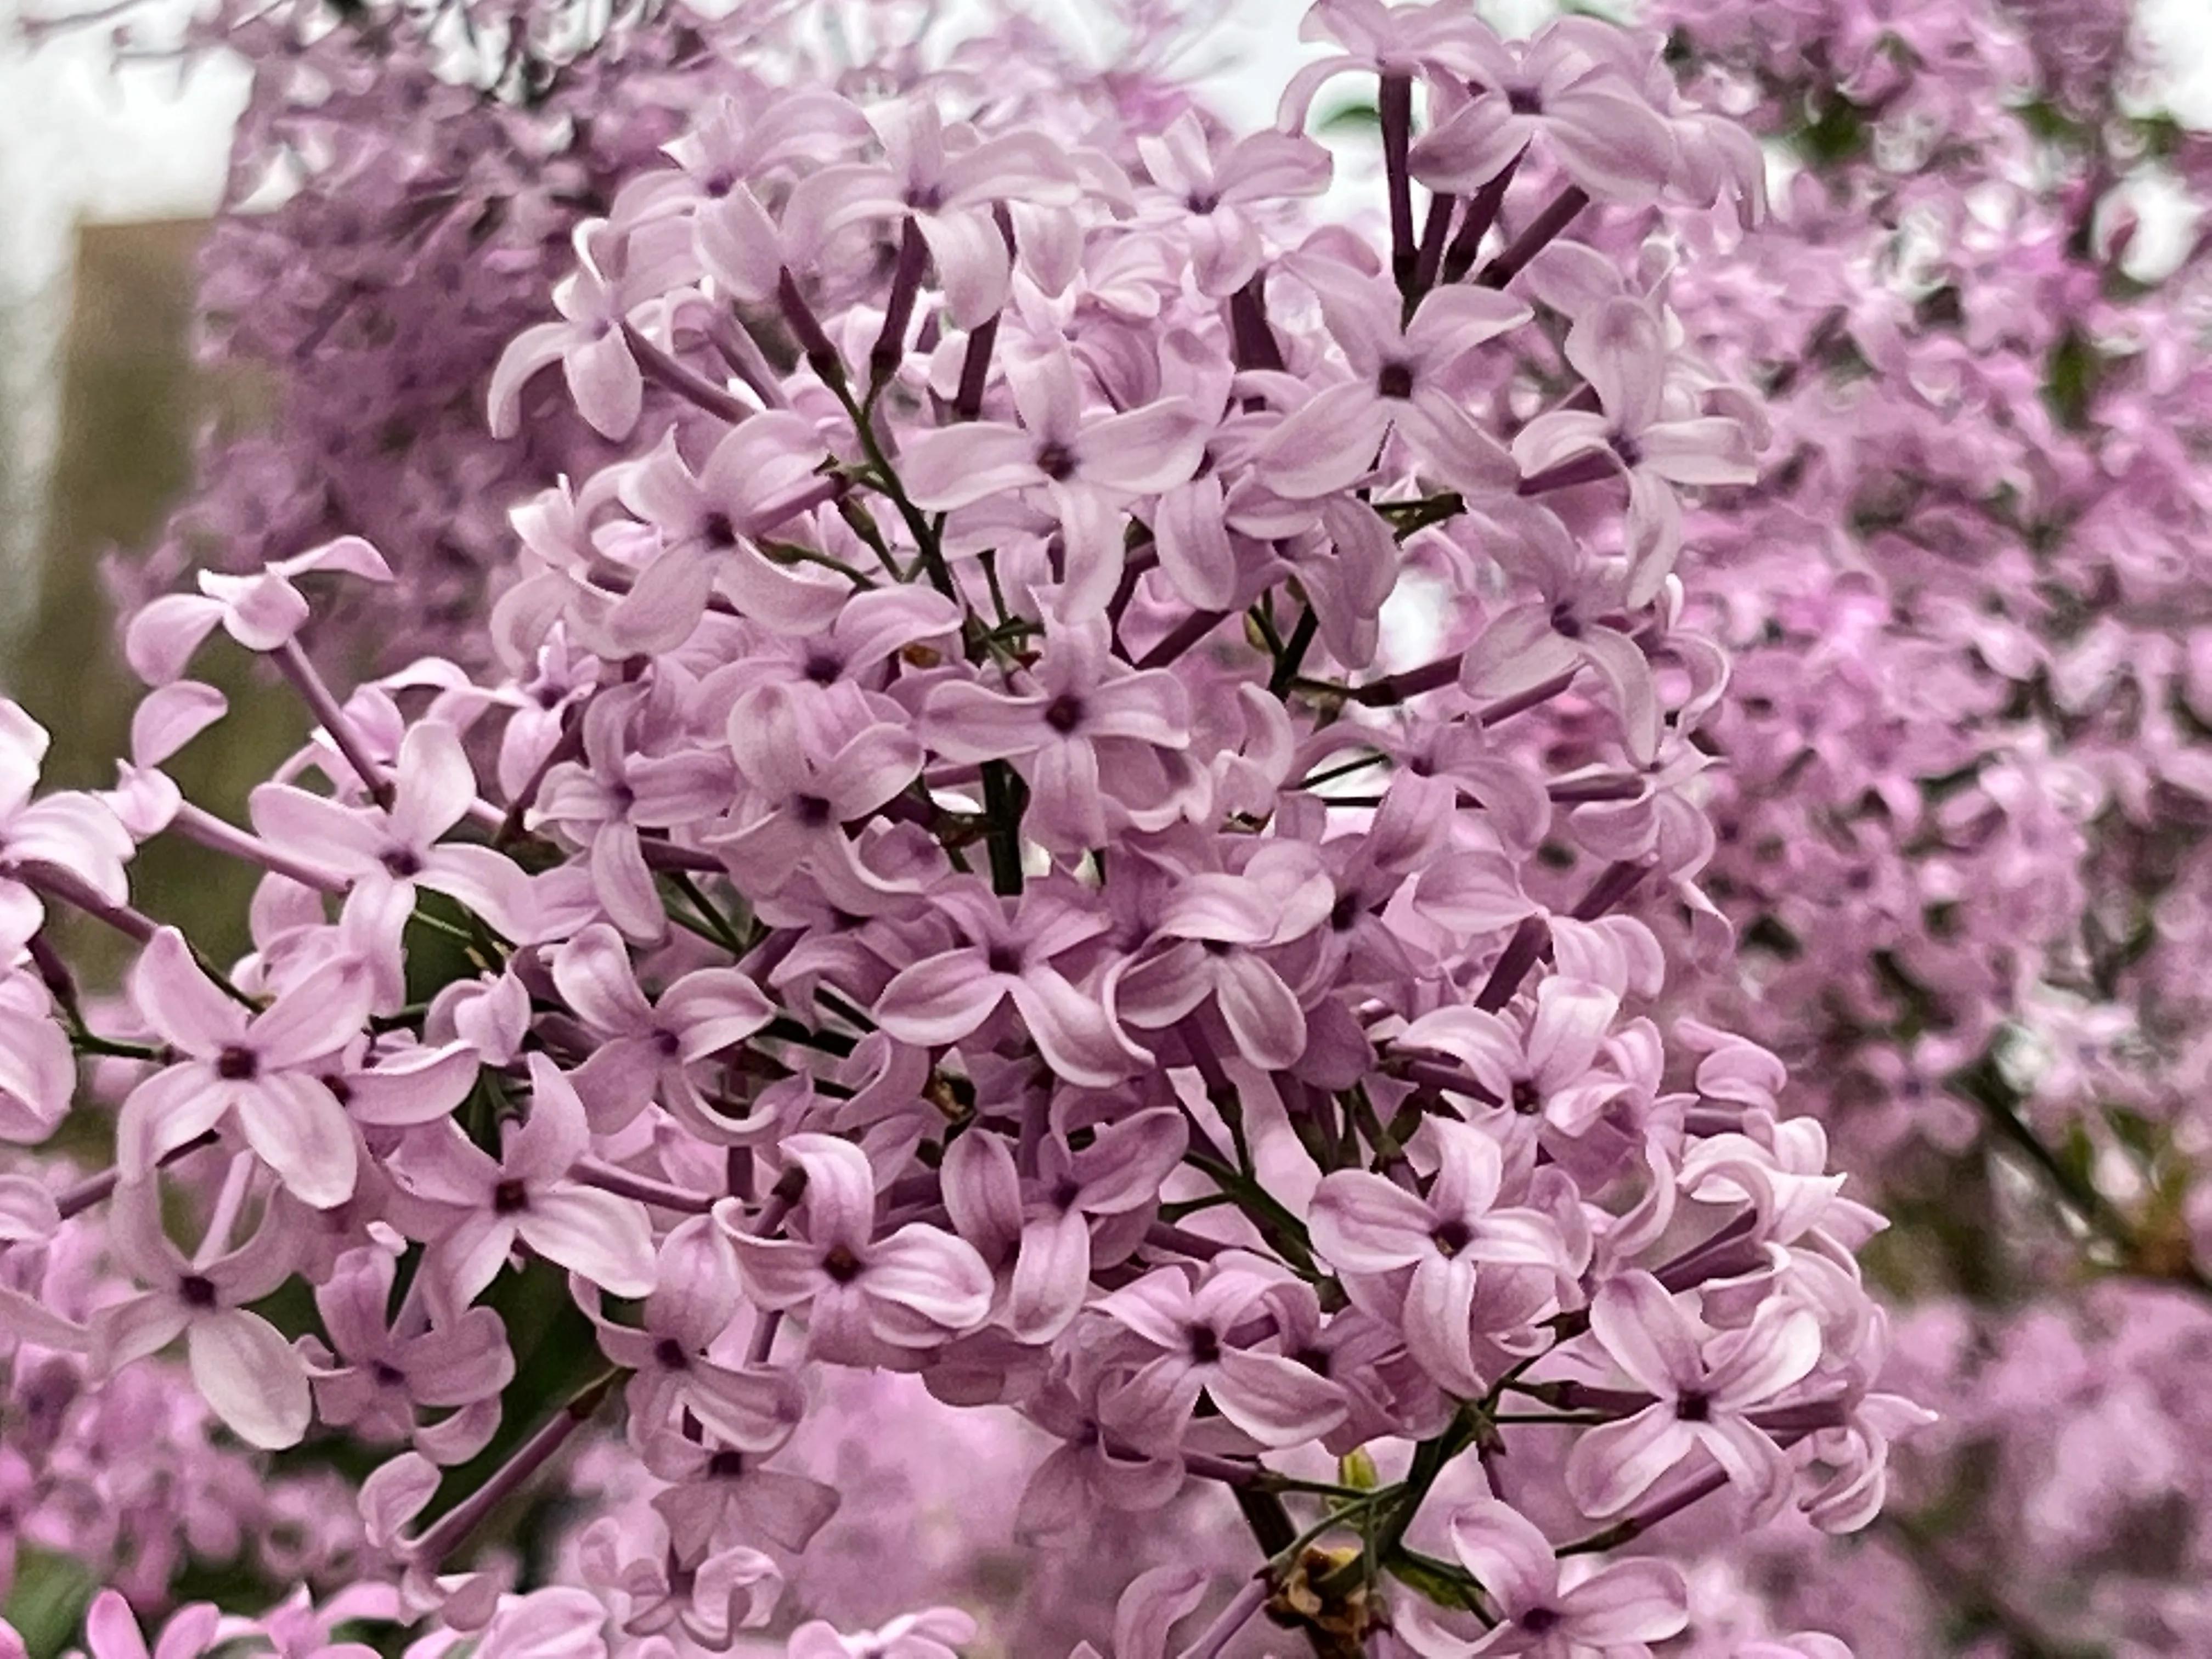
x,y
76,138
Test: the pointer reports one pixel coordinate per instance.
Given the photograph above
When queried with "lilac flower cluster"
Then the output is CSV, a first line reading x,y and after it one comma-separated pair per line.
x,y
1961,787
403,187
945,872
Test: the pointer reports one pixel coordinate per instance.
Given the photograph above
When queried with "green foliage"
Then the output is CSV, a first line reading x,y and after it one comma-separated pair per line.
x,y
1349,118
2070,378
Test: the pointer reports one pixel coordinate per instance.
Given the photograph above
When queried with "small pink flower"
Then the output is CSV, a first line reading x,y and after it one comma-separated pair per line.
x,y
1362,1224
1703,1381
648,1050
947,997
524,1196
250,1377
1088,734
263,1072
1549,1614
1085,467
1550,92
867,1300
262,612
1403,379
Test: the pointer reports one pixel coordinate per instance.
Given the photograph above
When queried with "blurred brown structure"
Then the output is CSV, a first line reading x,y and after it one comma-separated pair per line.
x,y
132,402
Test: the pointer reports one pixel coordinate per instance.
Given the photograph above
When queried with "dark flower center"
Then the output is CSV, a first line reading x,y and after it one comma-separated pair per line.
x,y
727,1464
1065,1194
402,863
237,1064
1695,1406
1452,1237
668,1354
1565,622
841,1265
1344,912
1204,1344
1201,202
196,1290
1630,452
1395,380
1524,100
719,530
1538,1621
812,810
668,1043
1056,462
1064,712
823,669
1003,959
1527,1099
508,1197
387,1375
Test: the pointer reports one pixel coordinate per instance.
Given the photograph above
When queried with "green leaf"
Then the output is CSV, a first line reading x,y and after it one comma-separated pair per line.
x,y
2070,378
1834,131
48,1600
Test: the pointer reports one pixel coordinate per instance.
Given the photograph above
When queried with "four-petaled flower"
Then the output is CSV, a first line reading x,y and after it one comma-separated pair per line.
x,y
266,1071
1703,1383
1364,1224
867,1300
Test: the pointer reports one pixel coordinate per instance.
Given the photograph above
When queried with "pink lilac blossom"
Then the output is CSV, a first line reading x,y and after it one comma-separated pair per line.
x,y
886,889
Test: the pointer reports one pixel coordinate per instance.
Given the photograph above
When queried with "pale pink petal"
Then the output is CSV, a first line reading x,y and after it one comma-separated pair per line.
x,y
416,1086
1146,450
1616,1463
1260,1010
1626,671
739,244
955,466
1327,445
1276,1401
592,972
1621,349
1071,1030
932,1275
110,1629
250,1377
296,1127
316,1017
973,265
940,1000
176,998
1471,147
1648,1333
1503,1548
605,381
171,716
1364,1224
537,347
1630,1601
436,784
1711,449
162,1114
604,1238
1611,144
1190,529
1051,1275
1439,1324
